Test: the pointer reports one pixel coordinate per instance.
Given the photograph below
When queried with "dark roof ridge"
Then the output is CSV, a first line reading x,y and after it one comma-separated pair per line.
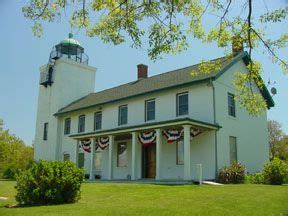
x,y
171,71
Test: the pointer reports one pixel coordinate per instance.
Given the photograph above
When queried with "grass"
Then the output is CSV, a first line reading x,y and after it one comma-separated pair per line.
x,y
145,199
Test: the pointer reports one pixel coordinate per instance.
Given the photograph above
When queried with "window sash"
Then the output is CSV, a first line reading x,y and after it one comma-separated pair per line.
x,y
182,104
45,132
122,155
67,126
98,121
123,115
81,124
150,110
66,157
231,105
233,149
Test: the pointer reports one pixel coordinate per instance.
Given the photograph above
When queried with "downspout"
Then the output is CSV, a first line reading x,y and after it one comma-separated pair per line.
x,y
214,116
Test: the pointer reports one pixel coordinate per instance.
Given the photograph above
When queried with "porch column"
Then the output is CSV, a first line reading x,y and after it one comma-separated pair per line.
x,y
133,162
187,153
77,153
158,153
91,174
110,162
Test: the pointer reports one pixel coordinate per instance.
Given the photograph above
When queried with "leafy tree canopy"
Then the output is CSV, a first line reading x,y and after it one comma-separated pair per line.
x,y
278,141
168,25
14,154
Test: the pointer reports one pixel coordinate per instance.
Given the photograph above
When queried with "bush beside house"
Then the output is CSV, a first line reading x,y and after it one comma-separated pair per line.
x,y
234,174
49,182
275,172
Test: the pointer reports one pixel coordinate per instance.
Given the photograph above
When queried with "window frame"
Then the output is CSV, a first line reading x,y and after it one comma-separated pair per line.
x,y
95,122
66,131
146,109
230,149
81,116
177,103
232,106
65,157
45,131
118,150
177,152
120,116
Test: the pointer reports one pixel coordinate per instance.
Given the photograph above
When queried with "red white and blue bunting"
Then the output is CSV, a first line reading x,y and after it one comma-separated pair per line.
x,y
102,143
175,135
147,138
172,135
195,132
85,145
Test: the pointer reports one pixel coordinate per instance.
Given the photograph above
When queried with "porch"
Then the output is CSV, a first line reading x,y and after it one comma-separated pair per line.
x,y
148,154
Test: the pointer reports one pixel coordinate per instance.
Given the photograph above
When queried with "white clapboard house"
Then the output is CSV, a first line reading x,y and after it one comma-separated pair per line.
x,y
162,127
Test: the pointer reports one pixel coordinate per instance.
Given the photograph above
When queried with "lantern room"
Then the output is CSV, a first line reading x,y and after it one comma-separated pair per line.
x,y
68,48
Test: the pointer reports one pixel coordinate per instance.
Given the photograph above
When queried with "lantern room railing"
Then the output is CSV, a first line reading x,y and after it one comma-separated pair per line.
x,y
76,54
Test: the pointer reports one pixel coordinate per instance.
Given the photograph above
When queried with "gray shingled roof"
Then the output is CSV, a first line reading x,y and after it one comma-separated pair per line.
x,y
143,86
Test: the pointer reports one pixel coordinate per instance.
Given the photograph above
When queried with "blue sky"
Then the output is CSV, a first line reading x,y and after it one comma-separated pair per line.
x,y
22,54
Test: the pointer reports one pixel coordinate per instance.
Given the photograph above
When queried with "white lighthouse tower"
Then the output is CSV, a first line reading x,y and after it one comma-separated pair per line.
x,y
66,78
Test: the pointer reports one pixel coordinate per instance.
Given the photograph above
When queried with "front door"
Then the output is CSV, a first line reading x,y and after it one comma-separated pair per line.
x,y
149,161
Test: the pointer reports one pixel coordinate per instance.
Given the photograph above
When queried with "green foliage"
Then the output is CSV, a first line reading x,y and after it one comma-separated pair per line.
x,y
14,155
234,174
166,26
277,142
49,182
256,178
10,172
275,172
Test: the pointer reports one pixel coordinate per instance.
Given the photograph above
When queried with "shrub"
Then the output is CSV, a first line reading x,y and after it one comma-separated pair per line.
x,y
234,174
256,178
10,172
275,172
49,182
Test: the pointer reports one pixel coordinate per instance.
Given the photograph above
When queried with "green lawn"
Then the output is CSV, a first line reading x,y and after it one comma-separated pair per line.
x,y
145,199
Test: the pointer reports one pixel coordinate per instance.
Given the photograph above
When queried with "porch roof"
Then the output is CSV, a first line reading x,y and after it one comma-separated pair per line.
x,y
148,126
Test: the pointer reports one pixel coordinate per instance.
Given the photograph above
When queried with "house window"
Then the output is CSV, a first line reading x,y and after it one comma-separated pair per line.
x,y
122,160
180,152
182,104
231,105
67,126
149,110
45,133
123,112
98,160
81,124
233,149
98,121
66,157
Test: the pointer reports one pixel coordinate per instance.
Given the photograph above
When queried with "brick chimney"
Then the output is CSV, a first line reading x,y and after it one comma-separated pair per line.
x,y
142,71
237,45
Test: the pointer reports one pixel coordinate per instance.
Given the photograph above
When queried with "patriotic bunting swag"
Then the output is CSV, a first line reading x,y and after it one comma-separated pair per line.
x,y
147,138
102,143
85,145
174,135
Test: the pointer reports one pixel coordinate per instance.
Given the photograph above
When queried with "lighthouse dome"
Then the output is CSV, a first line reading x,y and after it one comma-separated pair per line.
x,y
70,41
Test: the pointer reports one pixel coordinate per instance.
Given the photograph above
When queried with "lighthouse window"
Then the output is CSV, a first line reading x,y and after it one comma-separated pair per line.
x,y
81,124
45,133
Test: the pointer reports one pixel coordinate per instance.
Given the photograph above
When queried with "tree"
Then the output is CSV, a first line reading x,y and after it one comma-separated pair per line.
x,y
167,25
281,148
1,125
275,136
14,154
